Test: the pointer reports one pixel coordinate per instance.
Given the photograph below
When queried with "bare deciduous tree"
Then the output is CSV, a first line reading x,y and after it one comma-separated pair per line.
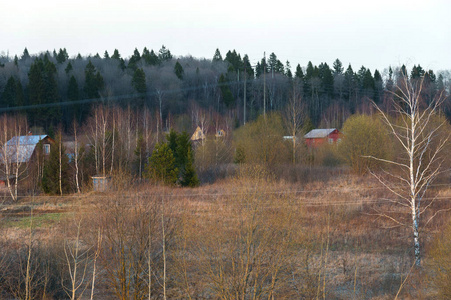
x,y
12,156
77,260
293,119
421,144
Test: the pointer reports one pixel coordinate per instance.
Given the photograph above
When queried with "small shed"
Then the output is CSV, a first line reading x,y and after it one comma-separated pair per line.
x,y
101,183
317,137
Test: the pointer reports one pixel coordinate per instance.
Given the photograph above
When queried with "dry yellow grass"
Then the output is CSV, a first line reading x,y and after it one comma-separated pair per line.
x,y
333,228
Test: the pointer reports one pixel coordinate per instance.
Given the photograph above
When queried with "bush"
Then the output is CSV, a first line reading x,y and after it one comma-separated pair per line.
x,y
261,141
364,137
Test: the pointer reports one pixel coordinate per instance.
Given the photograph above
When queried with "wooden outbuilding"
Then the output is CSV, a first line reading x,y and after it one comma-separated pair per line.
x,y
23,149
318,137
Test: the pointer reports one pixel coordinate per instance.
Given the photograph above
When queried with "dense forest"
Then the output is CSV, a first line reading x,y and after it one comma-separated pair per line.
x,y
53,88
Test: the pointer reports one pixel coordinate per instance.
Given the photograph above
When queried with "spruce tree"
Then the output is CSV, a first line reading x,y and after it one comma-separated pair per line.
x,y
62,56
178,70
116,55
151,58
9,93
25,54
299,73
68,68
20,97
134,59
182,149
227,96
161,165
73,94
139,83
217,57
51,176
42,90
164,54
93,81
338,67
189,176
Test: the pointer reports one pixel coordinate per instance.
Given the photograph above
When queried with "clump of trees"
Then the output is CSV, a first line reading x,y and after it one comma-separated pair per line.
x,y
172,162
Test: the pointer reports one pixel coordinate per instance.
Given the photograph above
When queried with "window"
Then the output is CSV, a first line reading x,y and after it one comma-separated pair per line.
x,y
46,148
331,141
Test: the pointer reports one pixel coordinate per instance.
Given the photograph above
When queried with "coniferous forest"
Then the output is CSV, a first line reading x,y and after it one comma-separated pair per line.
x,y
55,88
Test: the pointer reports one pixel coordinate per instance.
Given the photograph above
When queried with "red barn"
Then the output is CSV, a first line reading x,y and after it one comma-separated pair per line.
x,y
317,137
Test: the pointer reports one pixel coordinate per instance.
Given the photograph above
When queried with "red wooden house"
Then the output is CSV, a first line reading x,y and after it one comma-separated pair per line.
x,y
317,137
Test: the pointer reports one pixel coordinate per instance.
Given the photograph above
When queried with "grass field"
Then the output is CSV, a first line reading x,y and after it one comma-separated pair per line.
x,y
249,237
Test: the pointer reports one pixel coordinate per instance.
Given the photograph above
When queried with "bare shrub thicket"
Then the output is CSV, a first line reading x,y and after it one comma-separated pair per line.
x,y
32,270
439,264
240,252
131,258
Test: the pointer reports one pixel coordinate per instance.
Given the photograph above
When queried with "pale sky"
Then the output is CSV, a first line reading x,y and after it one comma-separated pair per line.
x,y
375,34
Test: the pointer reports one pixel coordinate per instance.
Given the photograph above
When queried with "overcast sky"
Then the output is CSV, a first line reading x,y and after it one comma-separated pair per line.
x,y
375,34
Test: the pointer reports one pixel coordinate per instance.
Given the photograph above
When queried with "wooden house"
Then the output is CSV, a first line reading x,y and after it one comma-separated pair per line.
x,y
220,133
23,149
318,137
198,135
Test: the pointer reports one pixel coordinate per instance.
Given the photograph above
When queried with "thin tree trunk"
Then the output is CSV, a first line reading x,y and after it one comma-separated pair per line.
x,y
60,165
77,183
112,145
99,241
27,274
164,247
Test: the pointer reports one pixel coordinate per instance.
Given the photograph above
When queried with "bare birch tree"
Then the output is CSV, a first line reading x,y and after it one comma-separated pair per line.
x,y
76,158
77,261
101,138
11,156
422,145
293,119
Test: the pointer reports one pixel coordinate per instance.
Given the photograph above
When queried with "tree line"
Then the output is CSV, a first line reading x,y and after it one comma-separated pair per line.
x,y
52,87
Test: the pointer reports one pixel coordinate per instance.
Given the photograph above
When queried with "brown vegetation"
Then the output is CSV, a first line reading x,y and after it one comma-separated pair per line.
x,y
248,237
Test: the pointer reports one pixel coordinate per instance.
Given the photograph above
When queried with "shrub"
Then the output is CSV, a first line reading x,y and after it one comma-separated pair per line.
x,y
261,141
364,138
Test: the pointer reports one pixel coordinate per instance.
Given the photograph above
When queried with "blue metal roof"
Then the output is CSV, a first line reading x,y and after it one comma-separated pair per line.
x,y
26,139
20,148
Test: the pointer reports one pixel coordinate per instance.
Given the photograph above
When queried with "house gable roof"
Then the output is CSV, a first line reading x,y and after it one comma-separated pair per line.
x,y
319,133
20,148
26,140
198,134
